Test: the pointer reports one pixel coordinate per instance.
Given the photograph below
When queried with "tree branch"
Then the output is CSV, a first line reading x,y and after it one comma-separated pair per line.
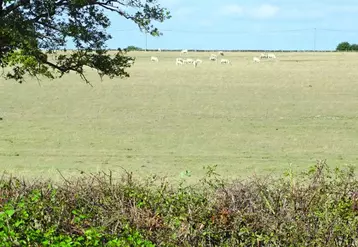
x,y
113,9
64,70
49,26
14,6
29,26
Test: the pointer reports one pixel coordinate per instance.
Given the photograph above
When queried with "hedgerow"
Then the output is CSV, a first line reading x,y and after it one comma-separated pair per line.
x,y
315,208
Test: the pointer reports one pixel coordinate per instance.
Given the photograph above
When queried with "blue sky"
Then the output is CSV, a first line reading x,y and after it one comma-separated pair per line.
x,y
254,24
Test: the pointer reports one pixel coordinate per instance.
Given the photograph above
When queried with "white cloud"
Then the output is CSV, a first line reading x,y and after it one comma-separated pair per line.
x,y
264,11
232,9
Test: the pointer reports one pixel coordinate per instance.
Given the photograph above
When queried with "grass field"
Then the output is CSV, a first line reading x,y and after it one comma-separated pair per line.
x,y
246,118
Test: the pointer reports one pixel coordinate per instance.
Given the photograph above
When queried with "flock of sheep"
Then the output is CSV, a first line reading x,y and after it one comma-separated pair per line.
x,y
213,57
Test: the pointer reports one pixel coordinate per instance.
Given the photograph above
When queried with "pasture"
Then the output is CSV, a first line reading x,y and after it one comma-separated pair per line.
x,y
247,118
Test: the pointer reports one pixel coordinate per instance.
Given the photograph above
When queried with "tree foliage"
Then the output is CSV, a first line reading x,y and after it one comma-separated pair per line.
x,y
343,46
354,47
30,30
133,48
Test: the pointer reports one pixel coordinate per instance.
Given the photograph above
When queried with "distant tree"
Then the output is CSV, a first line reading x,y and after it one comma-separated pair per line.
x,y
30,29
354,47
344,46
133,48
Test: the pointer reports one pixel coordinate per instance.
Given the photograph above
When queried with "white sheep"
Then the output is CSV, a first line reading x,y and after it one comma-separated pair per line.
x,y
179,61
154,59
213,57
197,62
225,61
263,55
189,60
271,56
184,51
221,53
256,60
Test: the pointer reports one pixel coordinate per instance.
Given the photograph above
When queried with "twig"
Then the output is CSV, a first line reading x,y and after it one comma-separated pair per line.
x,y
63,176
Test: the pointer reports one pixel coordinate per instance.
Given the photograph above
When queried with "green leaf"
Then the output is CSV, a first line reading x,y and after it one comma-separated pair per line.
x,y
10,212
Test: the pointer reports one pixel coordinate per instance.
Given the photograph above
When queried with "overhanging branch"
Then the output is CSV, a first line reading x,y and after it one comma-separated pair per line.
x,y
14,6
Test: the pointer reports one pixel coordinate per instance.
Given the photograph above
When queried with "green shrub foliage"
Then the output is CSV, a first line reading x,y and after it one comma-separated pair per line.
x,y
316,208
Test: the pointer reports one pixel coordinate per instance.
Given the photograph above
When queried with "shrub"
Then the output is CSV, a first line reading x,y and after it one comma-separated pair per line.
x,y
316,208
133,48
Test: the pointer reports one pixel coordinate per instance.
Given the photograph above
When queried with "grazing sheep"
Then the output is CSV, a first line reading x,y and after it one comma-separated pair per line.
x,y
221,53
184,51
179,61
271,56
154,59
198,61
225,61
263,55
213,57
189,60
256,60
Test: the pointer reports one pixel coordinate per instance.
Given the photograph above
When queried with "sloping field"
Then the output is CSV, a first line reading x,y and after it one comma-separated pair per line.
x,y
246,118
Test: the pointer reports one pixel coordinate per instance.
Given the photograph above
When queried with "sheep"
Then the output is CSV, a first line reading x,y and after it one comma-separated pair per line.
x,y
184,51
197,62
256,60
263,55
213,57
221,53
154,59
271,56
225,61
179,61
189,60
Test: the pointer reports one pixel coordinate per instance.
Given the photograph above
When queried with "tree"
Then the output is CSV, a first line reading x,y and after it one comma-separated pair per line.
x,y
344,46
354,47
133,48
32,29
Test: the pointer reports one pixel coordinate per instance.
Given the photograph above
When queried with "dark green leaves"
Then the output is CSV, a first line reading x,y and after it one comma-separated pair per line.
x,y
31,29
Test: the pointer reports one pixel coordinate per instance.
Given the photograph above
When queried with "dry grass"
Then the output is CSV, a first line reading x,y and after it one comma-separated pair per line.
x,y
247,118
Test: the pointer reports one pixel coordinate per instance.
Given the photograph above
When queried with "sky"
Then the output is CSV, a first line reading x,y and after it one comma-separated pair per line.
x,y
246,25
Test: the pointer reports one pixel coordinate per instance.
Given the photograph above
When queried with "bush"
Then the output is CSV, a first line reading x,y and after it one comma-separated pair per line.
x,y
317,208
133,48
